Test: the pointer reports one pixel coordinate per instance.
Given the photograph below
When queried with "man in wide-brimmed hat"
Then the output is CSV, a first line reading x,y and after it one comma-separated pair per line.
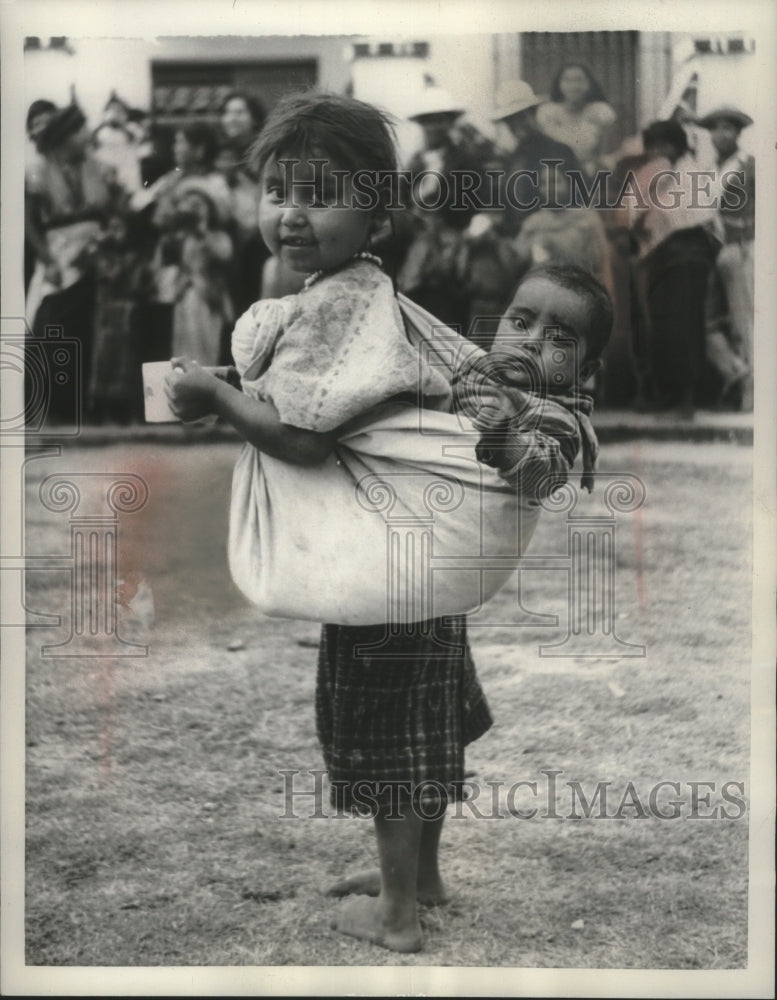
x,y
730,304
437,112
516,105
438,214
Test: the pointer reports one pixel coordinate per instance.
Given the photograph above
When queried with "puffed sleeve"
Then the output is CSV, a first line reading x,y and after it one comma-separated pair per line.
x,y
343,351
254,337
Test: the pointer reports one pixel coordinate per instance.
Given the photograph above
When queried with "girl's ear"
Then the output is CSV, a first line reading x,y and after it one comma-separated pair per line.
x,y
590,368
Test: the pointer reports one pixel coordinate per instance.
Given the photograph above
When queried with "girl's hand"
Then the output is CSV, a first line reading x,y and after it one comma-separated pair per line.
x,y
190,389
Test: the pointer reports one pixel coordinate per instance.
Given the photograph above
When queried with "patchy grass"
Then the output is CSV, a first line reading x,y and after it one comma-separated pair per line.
x,y
154,789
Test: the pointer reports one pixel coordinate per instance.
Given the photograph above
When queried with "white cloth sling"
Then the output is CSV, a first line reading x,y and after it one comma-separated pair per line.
x,y
400,524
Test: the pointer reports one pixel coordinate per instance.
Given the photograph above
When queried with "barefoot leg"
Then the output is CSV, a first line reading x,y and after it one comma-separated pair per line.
x,y
361,917
359,884
391,920
430,889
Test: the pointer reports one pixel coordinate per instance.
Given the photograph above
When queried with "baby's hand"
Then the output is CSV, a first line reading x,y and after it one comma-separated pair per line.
x,y
190,389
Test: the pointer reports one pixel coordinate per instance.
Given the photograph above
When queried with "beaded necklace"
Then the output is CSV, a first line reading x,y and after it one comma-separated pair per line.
x,y
361,255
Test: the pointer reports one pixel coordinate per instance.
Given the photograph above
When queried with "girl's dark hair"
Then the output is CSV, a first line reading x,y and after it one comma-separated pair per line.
x,y
598,325
255,107
595,92
355,135
203,135
665,132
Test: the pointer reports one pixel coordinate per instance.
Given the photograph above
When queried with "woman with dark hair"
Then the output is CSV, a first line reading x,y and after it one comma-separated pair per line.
x,y
578,115
241,118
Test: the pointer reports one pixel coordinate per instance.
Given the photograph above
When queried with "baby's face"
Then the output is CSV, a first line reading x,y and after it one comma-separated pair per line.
x,y
538,336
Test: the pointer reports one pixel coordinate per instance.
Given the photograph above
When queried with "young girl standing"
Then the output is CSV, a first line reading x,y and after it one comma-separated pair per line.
x,y
394,708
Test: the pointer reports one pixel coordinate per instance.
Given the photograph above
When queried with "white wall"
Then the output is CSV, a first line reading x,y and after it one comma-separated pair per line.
x,y
100,65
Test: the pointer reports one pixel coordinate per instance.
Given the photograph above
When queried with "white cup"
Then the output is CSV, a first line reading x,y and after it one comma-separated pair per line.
x,y
157,408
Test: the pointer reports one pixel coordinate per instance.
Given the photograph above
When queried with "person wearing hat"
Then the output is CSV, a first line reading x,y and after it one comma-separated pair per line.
x,y
730,304
433,226
516,106
65,200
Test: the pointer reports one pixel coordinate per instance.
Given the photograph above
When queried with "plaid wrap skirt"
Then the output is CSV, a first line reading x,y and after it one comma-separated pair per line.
x,y
395,707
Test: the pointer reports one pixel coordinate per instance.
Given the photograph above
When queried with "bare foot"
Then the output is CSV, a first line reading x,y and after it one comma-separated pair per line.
x,y
368,884
362,918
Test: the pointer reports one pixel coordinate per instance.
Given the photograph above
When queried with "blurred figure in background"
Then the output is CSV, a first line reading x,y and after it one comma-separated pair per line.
x,y
578,115
117,142
429,273
124,285
730,305
241,117
489,263
195,147
533,153
241,120
196,244
569,234
157,158
626,358
66,200
38,114
676,245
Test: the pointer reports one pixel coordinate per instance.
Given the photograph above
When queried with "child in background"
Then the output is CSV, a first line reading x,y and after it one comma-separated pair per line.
x,y
393,725
524,395
202,251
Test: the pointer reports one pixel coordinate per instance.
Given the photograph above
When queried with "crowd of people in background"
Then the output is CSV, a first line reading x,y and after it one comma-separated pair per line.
x,y
142,242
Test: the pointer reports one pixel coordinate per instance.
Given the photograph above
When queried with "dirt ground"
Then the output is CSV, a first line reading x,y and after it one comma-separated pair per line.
x,y
155,785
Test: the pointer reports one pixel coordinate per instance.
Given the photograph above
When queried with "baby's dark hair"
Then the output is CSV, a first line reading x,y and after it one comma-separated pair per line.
x,y
357,136
600,317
